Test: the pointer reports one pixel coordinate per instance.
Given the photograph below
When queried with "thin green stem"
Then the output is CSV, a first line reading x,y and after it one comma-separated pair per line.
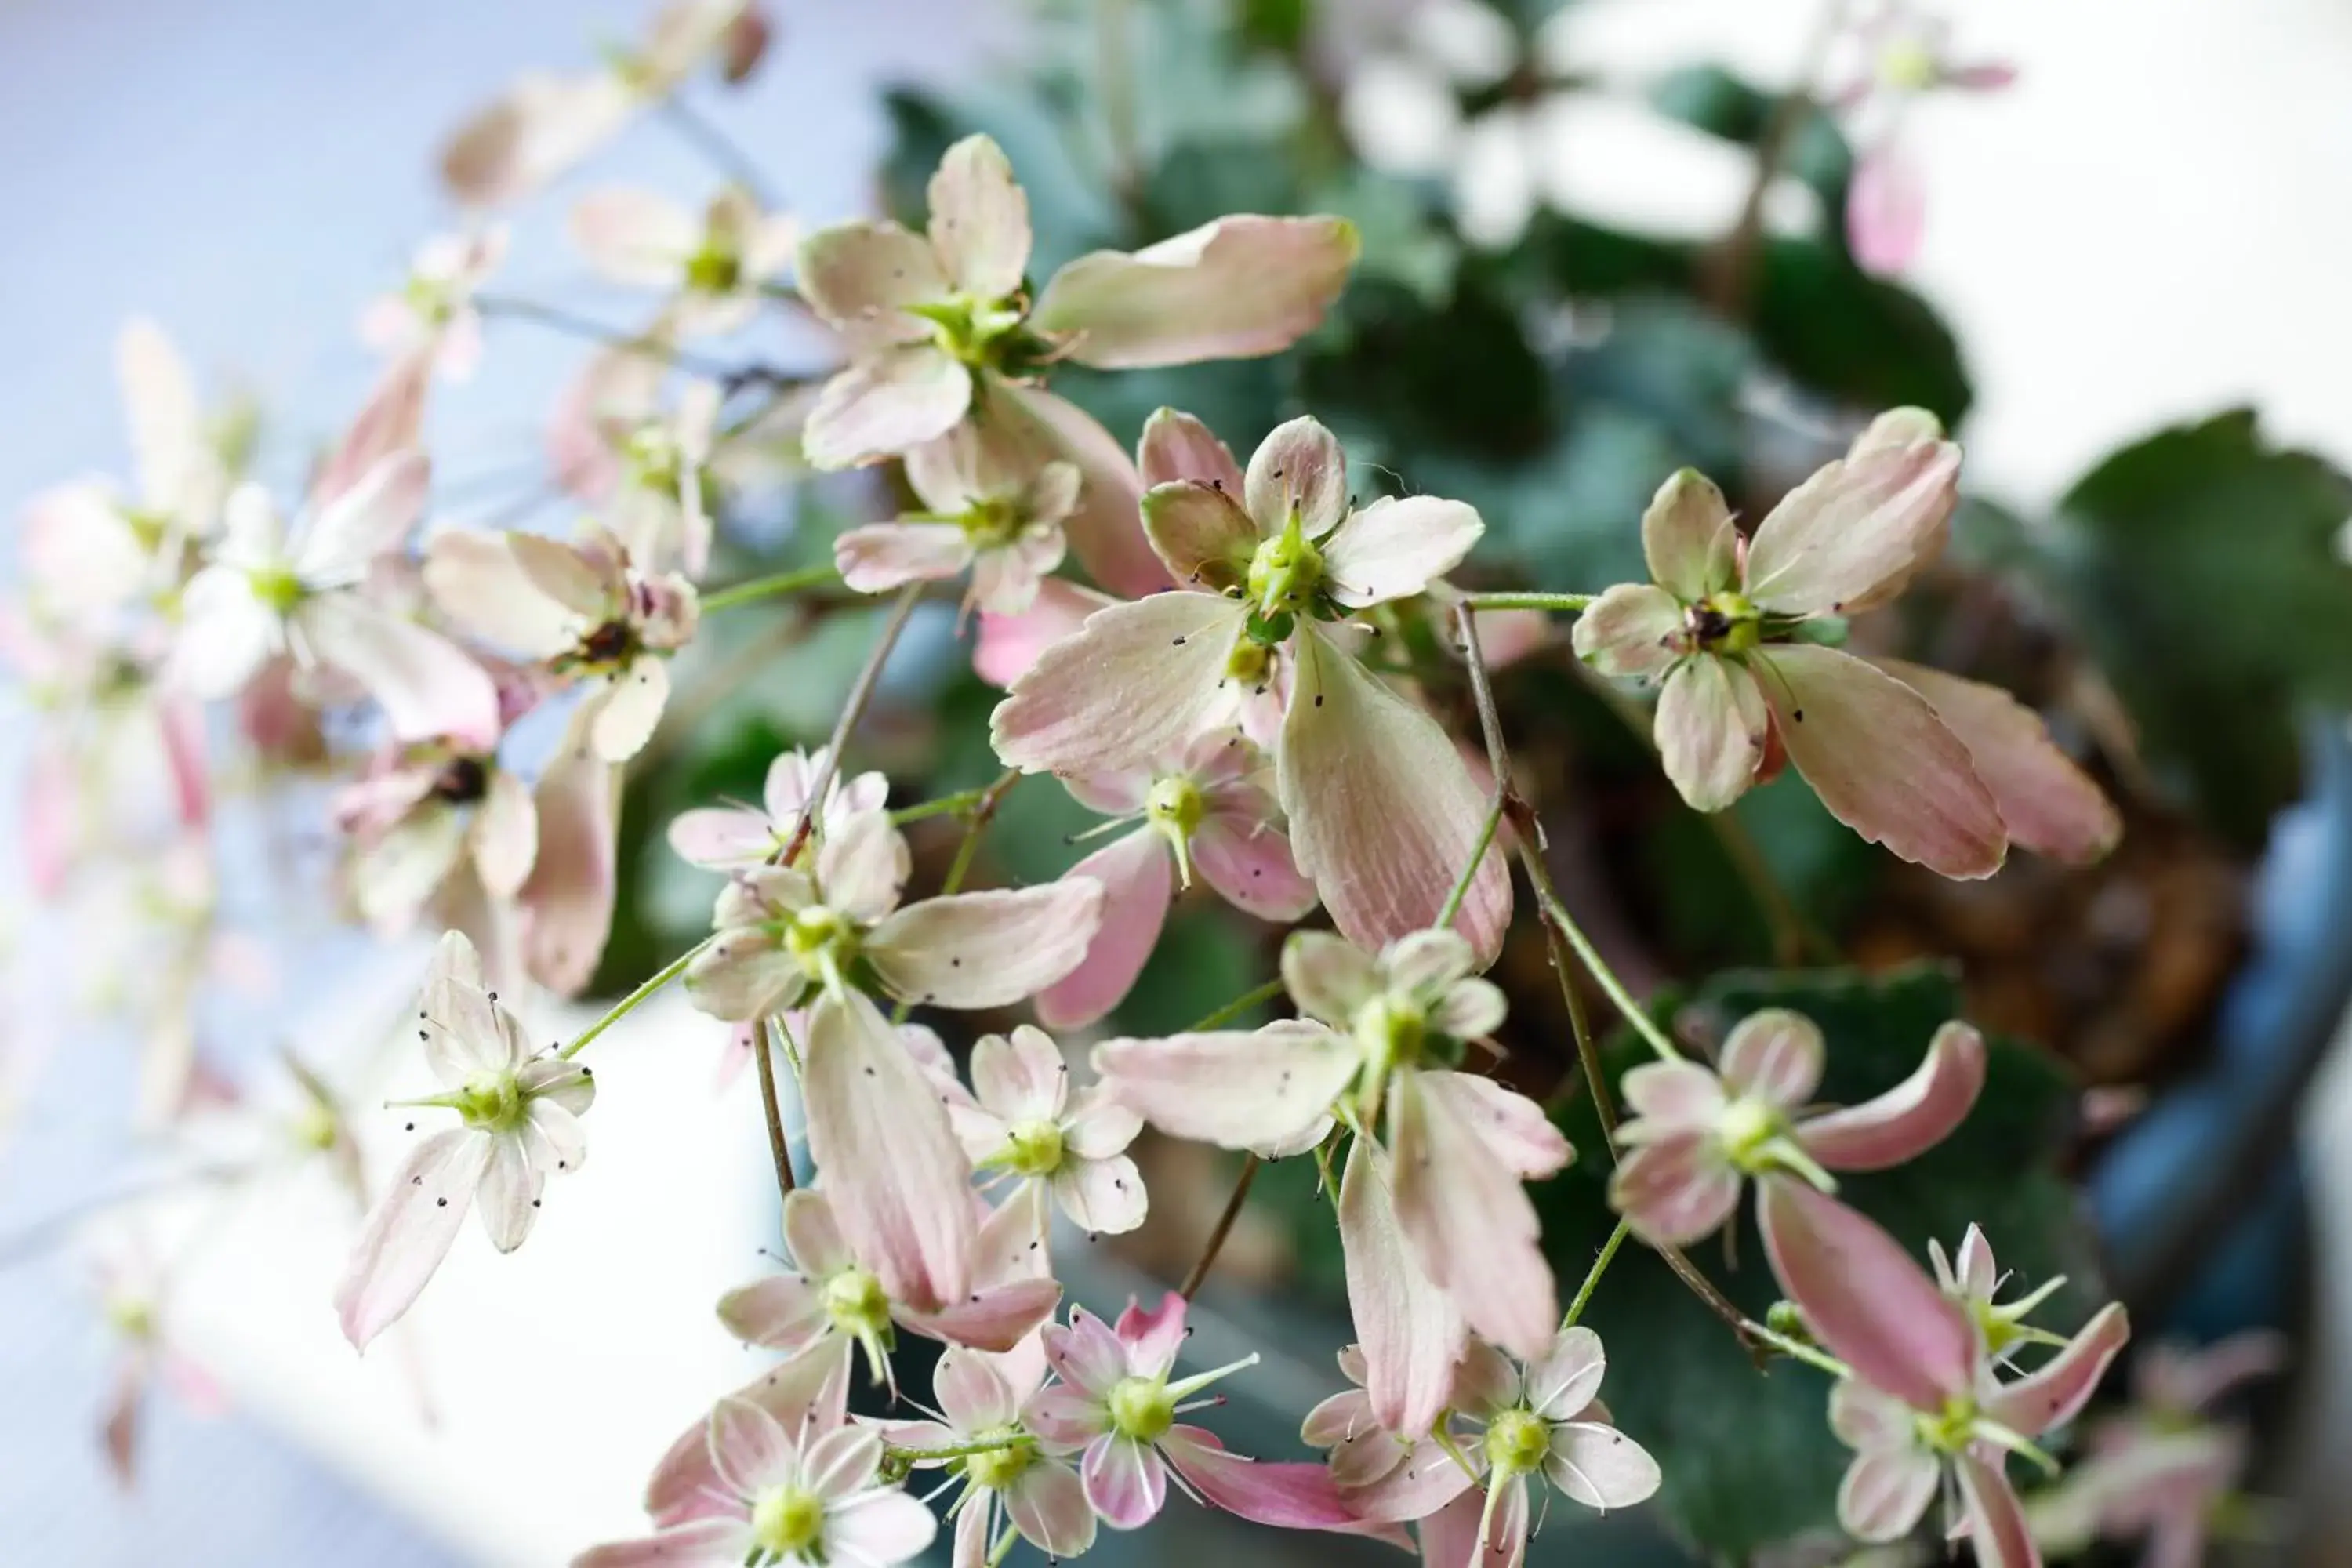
x,y
1592,1274
1216,1244
1564,601
565,322
1632,1012
1239,1005
1795,1350
861,692
957,1450
1478,857
954,804
1006,1540
628,1004
769,587
778,1150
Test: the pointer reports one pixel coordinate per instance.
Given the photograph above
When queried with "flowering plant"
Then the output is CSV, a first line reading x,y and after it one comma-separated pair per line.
x,y
1314,682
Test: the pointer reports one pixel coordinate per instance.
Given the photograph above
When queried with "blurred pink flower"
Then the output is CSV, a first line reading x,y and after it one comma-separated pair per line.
x,y
418,814
1000,520
714,266
1905,55
433,313
130,1281
737,839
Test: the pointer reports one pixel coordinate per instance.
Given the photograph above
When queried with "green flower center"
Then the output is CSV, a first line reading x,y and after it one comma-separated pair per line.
x,y
132,1317
1517,1442
1141,1408
277,588
855,1302
429,297
1175,808
1724,623
822,938
996,1469
1287,573
1747,1126
1951,1430
1908,67
1036,1148
1392,1029
716,268
491,1100
976,331
787,1522
991,523
316,1129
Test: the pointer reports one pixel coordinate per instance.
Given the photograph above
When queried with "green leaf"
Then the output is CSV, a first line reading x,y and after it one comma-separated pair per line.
x,y
1864,341
1749,1456
2203,565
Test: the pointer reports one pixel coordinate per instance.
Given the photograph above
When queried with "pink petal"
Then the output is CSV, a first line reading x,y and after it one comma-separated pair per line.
x,y
1775,1055
1852,535
1290,1497
710,1542
478,581
427,686
1411,1332
370,519
1383,815
567,901
1885,1492
1031,428
1998,1532
899,398
722,838
1688,538
1886,211
1178,446
1008,645
992,1320
1564,1379
980,219
1675,1190
1300,467
880,1526
1710,729
2046,801
1137,878
897,1176
1468,1221
811,1392
1201,534
1669,1097
1087,1355
1136,683
635,237
1152,1338
1102,1196
1394,548
1863,1418
1125,1481
1023,1078
749,1450
1598,1466
1235,289
881,557
2053,1393
1513,1127
1248,861
1915,1115
1047,1504
986,950
1633,629
1450,1539
51,821
409,1232
1864,1297
1882,761
390,422
861,276
784,1313
505,835
1239,1090
972,1394
629,708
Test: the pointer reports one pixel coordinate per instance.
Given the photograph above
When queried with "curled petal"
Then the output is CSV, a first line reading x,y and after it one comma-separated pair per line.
x,y
1154,1335
1633,629
1383,815
2055,1391
2046,801
1998,1532
1237,1090
1852,535
1235,289
1883,762
1884,1492
987,950
1710,728
1863,1297
1136,683
1915,1115
1175,446
1775,1055
1409,1332
1292,1497
1469,1221
1202,535
1688,538
1135,874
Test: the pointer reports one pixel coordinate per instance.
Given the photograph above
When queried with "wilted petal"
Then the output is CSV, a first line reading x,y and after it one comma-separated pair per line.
x,y
427,686
1674,1190
986,950
1124,1481
1396,547
1998,1532
1202,535
409,1232
1913,1116
2055,1391
1383,815
1852,535
880,557
1239,1089
1885,1492
1885,210
897,1176
1249,863
1411,1332
1290,1497
1883,762
1775,1055
1865,1299
1298,467
1135,876
1598,1466
1136,683
1175,446
862,276
1469,1221
2046,800
1235,289
1710,728
1688,538
980,219
885,404
1633,629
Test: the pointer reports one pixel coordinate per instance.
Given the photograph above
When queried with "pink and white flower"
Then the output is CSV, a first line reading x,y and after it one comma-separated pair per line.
x,y
828,1299
129,1279
1546,1417
714,266
1460,1145
1024,1481
786,1499
423,812
518,1119
1922,1400
263,593
1206,809
1021,1119
1697,1135
433,313
737,839
1384,818
1114,1399
1944,773
1969,1275
1001,521
587,612
1905,55
1389,1473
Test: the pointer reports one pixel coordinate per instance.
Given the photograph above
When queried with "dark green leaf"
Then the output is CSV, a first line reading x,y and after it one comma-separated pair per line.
x,y
1859,339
